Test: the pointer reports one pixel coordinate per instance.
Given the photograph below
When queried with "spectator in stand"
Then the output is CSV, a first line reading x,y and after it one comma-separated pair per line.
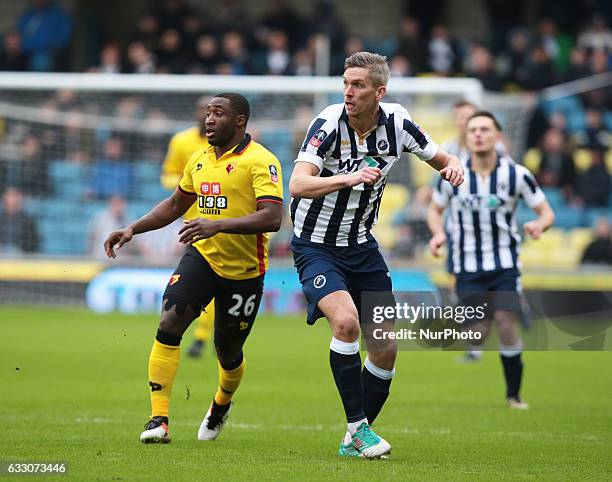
x,y
441,55
140,59
538,72
12,58
598,36
75,142
229,15
19,234
480,65
45,30
206,56
193,28
172,14
111,175
400,66
112,217
595,185
234,53
276,58
503,17
171,56
599,63
516,53
31,174
599,251
577,68
110,60
304,62
353,45
148,31
281,16
556,44
410,44
556,163
595,135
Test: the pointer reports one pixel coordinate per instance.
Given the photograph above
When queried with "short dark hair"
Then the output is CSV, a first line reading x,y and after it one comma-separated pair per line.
x,y
463,103
486,113
238,103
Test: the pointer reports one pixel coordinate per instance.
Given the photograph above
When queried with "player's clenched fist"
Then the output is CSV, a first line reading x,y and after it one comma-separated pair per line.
x,y
453,172
117,238
436,242
533,229
367,175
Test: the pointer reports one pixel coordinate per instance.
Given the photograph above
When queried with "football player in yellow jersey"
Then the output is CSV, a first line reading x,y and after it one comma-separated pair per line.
x,y
182,146
237,186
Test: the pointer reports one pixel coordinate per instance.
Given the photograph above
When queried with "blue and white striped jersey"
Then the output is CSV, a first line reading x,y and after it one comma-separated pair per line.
x,y
483,232
345,217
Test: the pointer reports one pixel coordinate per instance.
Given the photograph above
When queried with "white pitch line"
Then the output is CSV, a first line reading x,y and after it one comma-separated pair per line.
x,y
339,428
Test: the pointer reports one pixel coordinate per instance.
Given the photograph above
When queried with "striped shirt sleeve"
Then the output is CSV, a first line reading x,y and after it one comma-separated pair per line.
x,y
528,187
318,142
417,141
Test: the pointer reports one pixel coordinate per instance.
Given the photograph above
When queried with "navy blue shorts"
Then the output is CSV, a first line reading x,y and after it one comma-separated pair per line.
x,y
497,290
325,269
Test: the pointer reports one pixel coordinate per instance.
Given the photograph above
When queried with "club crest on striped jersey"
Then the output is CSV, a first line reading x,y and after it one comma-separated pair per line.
x,y
382,145
318,138
174,279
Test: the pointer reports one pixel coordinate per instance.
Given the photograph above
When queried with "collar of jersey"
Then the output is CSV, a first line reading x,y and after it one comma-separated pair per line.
x,y
237,150
468,163
382,117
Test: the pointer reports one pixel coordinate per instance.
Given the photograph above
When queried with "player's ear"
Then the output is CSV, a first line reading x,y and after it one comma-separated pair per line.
x,y
241,120
381,92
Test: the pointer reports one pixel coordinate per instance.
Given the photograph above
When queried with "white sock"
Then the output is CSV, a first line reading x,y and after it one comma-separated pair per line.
x,y
347,438
353,426
475,350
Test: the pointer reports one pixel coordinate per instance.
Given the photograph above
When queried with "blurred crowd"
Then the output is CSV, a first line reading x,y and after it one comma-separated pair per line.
x,y
568,144
563,43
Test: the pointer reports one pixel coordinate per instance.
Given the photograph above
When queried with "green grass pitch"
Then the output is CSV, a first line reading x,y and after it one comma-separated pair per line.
x,y
74,389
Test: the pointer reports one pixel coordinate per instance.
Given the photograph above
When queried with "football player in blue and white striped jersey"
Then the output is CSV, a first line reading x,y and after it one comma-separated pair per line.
x,y
484,252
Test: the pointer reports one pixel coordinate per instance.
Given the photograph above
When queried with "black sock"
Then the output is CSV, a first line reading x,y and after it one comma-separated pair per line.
x,y
375,393
513,373
347,375
220,409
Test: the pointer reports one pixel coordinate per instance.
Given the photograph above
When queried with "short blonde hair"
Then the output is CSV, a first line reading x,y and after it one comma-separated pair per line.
x,y
376,65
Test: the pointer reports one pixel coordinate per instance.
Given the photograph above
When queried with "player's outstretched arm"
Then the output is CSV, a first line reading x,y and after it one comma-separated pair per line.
x,y
161,215
546,218
305,183
267,218
449,166
435,222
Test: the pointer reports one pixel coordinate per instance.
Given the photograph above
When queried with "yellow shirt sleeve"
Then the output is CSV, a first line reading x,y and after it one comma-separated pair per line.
x,y
172,168
267,179
186,182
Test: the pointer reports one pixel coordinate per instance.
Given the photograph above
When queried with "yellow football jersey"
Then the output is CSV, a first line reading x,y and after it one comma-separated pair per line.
x,y
231,187
182,146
